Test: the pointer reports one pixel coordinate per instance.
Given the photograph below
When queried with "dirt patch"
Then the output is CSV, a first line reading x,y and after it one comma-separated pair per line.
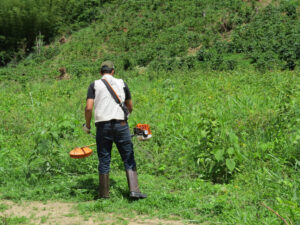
x,y
67,214
193,51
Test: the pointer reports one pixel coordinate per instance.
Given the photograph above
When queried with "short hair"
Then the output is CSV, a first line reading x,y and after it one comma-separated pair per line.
x,y
106,69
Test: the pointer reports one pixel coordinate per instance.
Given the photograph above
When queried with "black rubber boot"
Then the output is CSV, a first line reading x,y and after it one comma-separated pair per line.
x,y
104,185
134,190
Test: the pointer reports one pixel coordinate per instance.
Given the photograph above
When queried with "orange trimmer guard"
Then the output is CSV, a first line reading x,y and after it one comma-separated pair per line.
x,y
78,153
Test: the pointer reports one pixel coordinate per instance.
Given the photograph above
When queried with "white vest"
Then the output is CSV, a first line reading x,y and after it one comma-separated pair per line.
x,y
106,107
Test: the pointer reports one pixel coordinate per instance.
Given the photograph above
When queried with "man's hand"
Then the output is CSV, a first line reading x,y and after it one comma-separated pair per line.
x,y
86,129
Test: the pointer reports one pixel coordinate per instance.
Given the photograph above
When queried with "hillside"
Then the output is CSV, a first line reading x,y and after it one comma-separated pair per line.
x,y
219,84
164,35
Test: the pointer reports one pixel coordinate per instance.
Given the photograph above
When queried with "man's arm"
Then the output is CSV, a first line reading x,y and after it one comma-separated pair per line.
x,y
129,105
128,101
88,112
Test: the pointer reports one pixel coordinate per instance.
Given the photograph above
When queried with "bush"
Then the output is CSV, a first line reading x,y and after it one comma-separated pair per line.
x,y
22,22
269,40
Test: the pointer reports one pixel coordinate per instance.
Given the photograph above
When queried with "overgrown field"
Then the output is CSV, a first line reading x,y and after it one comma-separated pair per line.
x,y
218,82
223,144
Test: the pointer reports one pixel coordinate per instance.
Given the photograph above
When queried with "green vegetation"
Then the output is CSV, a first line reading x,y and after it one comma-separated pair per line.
x,y
13,220
25,25
159,34
218,83
240,128
3,207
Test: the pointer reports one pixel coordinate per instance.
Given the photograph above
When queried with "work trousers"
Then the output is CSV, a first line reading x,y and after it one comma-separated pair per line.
x,y
118,132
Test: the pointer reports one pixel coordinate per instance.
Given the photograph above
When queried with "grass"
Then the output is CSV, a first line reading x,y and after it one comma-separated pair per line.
x,y
240,110
224,143
44,219
3,207
13,220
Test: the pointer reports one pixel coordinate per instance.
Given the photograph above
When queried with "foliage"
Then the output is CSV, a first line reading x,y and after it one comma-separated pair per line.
x,y
24,23
3,207
225,137
280,25
222,130
13,220
163,35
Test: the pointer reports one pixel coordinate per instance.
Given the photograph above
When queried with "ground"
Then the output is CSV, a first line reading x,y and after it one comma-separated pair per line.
x,y
34,212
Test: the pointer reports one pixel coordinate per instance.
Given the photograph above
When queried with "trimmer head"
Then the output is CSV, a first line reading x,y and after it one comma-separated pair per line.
x,y
82,152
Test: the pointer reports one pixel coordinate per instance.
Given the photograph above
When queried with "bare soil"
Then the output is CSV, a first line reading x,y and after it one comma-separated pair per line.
x,y
67,214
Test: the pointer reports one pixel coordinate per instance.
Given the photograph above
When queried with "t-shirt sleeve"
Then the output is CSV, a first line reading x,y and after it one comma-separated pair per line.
x,y
127,92
91,91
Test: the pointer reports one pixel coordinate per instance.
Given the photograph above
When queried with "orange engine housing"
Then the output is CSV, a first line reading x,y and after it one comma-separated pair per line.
x,y
144,127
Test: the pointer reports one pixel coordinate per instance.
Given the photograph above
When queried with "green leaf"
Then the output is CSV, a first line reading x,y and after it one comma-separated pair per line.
x,y
230,151
203,133
233,138
219,155
230,164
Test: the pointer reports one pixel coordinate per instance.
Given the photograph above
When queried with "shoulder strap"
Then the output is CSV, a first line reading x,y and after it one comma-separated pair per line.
x,y
111,91
116,98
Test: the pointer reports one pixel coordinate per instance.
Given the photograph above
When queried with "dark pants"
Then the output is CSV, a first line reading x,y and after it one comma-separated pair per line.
x,y
118,132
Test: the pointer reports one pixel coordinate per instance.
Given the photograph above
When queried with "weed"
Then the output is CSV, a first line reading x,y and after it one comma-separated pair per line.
x,y
43,219
3,207
13,220
225,136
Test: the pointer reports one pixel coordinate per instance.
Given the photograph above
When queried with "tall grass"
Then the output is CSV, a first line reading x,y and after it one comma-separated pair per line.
x,y
240,128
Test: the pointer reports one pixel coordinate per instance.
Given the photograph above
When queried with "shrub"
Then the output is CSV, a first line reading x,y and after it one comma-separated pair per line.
x,y
269,40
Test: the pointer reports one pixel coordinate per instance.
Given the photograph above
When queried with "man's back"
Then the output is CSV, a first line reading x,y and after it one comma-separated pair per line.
x,y
106,108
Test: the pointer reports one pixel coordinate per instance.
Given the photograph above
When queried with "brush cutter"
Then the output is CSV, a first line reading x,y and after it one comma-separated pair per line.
x,y
141,131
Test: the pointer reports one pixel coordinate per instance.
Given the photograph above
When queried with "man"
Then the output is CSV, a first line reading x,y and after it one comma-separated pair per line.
x,y
112,126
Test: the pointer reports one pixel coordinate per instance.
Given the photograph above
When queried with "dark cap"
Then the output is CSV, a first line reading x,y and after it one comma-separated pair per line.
x,y
108,64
